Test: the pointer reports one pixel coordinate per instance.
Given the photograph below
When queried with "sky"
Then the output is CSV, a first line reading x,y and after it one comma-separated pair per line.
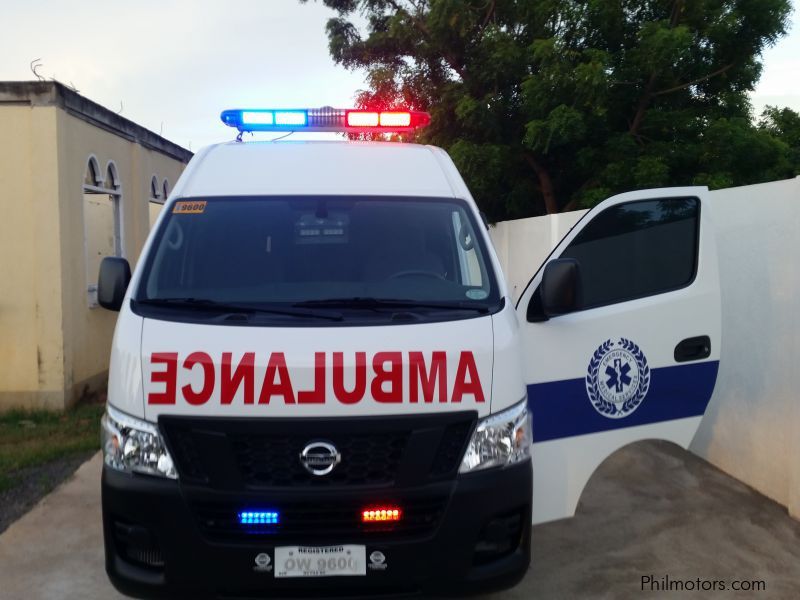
x,y
174,65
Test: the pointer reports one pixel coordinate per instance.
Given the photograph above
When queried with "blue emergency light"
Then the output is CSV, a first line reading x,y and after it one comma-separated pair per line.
x,y
277,118
258,517
325,119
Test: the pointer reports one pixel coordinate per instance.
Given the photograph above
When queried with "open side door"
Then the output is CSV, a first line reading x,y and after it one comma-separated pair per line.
x,y
621,335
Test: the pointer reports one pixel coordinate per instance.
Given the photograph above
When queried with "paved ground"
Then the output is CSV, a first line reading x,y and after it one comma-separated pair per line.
x,y
652,509
34,483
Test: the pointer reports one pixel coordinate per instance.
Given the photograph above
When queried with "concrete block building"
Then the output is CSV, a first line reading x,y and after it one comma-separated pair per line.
x,y
77,182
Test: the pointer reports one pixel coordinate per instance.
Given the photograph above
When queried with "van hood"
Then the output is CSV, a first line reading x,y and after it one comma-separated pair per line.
x,y
247,371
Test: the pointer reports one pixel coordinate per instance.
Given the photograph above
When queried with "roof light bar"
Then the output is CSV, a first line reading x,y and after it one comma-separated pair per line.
x,y
325,119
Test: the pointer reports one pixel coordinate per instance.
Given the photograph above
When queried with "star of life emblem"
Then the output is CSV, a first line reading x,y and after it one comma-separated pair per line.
x,y
618,378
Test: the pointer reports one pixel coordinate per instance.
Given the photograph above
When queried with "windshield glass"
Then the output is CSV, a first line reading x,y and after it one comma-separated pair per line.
x,y
317,251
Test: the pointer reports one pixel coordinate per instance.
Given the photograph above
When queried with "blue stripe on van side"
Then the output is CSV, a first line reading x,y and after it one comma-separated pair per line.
x,y
562,408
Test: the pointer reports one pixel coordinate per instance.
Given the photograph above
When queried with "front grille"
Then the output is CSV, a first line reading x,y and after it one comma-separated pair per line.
x,y
264,454
320,520
272,461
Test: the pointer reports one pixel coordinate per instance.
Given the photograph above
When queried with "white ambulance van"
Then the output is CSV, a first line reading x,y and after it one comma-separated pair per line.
x,y
320,386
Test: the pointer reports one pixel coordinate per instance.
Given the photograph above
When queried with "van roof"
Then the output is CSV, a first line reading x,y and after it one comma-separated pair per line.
x,y
320,168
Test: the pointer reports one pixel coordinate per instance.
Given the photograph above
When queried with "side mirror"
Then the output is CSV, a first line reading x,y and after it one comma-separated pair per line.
x,y
561,287
115,274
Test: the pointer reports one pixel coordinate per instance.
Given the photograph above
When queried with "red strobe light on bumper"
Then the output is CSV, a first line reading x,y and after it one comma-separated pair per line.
x,y
381,514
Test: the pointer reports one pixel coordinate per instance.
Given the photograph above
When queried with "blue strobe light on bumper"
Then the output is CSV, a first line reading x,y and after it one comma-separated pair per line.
x,y
258,517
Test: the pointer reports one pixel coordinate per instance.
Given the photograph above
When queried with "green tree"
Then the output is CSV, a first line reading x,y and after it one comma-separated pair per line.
x,y
784,124
547,105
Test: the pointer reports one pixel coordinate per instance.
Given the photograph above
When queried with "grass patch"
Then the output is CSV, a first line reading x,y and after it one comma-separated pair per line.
x,y
29,438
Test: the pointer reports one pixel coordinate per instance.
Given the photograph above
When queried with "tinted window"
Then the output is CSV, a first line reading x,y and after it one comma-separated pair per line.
x,y
637,249
299,249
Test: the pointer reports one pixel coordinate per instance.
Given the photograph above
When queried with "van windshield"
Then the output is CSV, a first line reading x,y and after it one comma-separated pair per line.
x,y
320,253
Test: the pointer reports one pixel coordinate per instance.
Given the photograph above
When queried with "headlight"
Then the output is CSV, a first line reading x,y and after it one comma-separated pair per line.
x,y
134,446
500,440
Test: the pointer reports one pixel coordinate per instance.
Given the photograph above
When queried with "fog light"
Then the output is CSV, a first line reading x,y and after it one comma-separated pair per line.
x,y
499,537
138,544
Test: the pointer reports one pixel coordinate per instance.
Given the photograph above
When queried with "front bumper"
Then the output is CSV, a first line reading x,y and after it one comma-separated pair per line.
x,y
155,547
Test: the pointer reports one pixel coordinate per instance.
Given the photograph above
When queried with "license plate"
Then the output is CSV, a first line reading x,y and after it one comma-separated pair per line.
x,y
320,561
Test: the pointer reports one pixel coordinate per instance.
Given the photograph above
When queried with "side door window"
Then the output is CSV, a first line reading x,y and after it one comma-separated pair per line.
x,y
635,250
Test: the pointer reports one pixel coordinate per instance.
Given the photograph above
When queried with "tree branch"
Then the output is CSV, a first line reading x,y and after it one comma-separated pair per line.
x,y
676,13
545,184
647,95
641,108
489,14
571,205
694,81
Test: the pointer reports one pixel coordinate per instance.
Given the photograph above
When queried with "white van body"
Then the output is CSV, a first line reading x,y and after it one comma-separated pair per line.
x,y
318,168
596,378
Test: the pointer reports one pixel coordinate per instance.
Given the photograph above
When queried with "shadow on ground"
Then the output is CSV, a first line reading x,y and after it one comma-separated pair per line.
x,y
655,509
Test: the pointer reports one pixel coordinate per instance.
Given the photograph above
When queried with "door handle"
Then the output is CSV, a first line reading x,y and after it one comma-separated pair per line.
x,y
694,348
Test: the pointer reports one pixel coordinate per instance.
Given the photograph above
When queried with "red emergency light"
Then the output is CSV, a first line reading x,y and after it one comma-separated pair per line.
x,y
381,514
393,119
362,118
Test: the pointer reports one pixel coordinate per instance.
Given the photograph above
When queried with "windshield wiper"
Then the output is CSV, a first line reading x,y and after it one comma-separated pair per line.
x,y
208,304
369,302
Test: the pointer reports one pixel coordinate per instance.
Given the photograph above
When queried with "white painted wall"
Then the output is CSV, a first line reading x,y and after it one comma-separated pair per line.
x,y
751,428
752,424
523,244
